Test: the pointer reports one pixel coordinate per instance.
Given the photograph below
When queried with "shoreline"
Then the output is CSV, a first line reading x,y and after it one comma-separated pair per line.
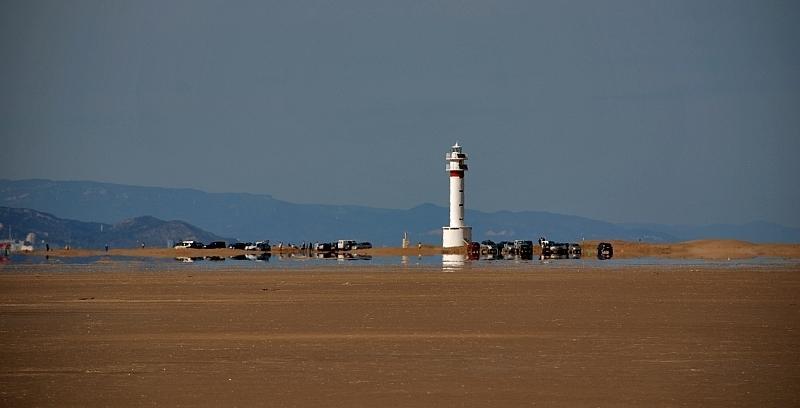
x,y
701,249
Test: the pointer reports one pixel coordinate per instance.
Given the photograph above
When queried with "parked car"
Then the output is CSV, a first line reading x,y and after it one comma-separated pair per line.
x,y
362,245
323,247
506,247
560,250
239,245
473,251
605,251
188,244
523,247
489,247
574,251
259,246
215,245
345,244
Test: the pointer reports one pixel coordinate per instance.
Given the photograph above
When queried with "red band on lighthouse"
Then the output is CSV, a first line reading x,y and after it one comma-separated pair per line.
x,y
456,173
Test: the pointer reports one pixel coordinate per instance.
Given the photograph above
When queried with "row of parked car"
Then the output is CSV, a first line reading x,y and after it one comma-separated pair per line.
x,y
252,246
517,247
341,245
559,250
247,246
564,250
548,249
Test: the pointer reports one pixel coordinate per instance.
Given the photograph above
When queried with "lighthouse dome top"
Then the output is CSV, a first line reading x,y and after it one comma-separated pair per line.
x,y
455,159
456,153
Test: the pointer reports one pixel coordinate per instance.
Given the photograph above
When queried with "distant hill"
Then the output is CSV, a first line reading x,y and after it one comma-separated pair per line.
x,y
128,233
251,217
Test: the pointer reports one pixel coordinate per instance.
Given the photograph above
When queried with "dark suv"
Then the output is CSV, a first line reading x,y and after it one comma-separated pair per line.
x,y
215,245
239,245
604,251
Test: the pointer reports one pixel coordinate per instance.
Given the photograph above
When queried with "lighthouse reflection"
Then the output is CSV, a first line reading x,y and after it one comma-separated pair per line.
x,y
453,262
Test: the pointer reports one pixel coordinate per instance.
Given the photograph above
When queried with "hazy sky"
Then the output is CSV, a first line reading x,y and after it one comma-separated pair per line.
x,y
646,111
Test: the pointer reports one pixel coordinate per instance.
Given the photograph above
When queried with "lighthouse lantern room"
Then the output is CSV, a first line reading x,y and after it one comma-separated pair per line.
x,y
456,234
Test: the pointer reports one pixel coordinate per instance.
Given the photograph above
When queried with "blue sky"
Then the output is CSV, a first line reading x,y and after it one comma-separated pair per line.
x,y
626,111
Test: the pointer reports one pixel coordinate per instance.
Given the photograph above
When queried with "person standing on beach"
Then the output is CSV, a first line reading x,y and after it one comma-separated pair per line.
x,y
106,247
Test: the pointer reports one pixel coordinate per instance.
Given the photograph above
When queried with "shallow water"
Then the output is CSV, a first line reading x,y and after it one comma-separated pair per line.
x,y
75,260
447,262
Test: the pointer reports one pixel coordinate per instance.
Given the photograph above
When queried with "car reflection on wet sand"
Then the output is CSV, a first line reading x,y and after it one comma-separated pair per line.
x,y
263,257
252,257
343,256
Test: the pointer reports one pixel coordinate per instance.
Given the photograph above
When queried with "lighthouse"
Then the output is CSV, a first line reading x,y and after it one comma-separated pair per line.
x,y
456,234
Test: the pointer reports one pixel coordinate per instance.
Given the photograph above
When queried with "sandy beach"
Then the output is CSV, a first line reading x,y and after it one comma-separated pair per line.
x,y
113,334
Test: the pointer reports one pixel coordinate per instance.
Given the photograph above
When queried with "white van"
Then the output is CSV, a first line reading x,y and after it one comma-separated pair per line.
x,y
188,244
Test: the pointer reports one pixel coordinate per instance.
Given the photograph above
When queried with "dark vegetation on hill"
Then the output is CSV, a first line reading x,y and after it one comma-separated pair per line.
x,y
132,232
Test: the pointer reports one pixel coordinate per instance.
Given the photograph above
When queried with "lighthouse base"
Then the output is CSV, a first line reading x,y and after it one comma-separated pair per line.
x,y
456,236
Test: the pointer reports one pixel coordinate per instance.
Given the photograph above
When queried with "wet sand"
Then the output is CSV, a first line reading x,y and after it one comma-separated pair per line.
x,y
112,335
702,249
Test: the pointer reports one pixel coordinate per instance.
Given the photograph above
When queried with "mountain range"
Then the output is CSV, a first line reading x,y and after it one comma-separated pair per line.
x,y
58,232
252,217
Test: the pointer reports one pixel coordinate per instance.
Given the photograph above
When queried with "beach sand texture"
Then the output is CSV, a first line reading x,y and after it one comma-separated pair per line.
x,y
391,336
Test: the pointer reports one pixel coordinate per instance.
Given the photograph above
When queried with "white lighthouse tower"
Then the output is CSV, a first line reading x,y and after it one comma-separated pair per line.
x,y
456,234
